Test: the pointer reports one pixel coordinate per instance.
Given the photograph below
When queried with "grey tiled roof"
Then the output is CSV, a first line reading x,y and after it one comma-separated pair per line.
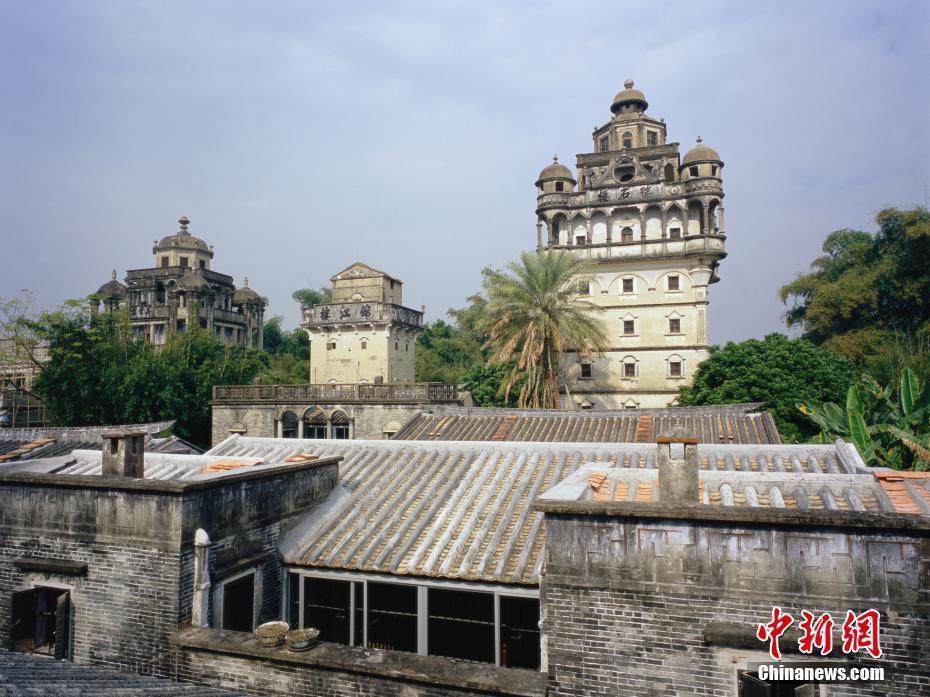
x,y
462,510
26,675
18,444
162,466
736,423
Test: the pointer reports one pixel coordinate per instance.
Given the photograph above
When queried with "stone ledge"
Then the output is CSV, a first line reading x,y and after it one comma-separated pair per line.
x,y
159,486
821,519
52,566
393,665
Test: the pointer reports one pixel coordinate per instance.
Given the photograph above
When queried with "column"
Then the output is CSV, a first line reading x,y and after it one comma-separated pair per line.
x,y
300,427
200,607
642,224
664,231
539,244
705,227
720,218
609,219
587,227
279,428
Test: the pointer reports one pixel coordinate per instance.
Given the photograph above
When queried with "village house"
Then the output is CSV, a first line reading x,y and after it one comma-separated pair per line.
x,y
441,567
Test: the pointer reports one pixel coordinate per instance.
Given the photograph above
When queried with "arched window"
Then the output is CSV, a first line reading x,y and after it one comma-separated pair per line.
x,y
289,424
626,235
340,425
676,367
630,368
314,423
628,140
669,172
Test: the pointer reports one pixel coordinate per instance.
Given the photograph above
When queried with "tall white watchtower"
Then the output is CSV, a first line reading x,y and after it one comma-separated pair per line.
x,y
649,226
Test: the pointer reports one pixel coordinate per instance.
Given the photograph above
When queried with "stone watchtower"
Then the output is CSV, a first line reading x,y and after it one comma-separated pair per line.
x,y
649,225
181,291
365,334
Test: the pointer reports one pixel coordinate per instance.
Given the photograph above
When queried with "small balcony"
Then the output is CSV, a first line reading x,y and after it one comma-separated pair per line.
x,y
714,245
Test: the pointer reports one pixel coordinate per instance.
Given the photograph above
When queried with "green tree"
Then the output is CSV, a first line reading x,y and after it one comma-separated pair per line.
x,y
313,296
868,296
98,373
777,371
888,429
445,352
533,314
484,382
288,355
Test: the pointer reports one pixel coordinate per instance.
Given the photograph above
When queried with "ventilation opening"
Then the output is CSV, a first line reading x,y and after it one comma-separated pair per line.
x,y
624,174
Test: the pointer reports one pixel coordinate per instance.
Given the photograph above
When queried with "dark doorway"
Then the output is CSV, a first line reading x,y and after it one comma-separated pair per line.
x,y
41,619
461,624
392,616
239,603
519,633
327,607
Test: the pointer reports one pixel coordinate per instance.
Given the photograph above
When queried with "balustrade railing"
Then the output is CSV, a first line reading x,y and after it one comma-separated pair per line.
x,y
362,392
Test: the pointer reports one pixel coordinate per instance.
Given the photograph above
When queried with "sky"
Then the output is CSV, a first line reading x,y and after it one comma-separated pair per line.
x,y
299,137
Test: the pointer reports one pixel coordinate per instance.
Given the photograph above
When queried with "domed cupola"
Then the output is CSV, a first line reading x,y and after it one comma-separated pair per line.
x,y
629,100
112,289
701,161
555,178
113,294
246,296
182,248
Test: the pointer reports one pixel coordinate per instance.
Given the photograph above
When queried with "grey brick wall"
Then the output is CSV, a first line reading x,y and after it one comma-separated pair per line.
x,y
124,609
137,543
232,661
626,602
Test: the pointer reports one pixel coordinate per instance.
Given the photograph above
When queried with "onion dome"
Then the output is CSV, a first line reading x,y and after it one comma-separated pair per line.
x,y
245,295
182,239
112,288
556,170
629,96
700,153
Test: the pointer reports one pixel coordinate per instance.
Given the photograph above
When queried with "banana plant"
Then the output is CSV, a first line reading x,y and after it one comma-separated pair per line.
x,y
888,430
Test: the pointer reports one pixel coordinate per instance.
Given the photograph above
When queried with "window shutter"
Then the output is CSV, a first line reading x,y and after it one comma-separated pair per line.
x,y
62,626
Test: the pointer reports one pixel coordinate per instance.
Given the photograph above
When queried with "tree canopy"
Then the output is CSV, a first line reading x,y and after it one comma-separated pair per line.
x,y
288,354
533,314
890,426
445,353
313,296
868,296
777,371
97,373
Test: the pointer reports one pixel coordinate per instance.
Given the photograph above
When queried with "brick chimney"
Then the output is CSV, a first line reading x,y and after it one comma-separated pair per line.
x,y
678,478
122,454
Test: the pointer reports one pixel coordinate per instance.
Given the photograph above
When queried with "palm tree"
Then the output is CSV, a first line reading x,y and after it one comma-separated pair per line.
x,y
532,316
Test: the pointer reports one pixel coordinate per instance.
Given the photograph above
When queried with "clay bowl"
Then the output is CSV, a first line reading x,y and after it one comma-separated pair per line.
x,y
302,639
272,634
